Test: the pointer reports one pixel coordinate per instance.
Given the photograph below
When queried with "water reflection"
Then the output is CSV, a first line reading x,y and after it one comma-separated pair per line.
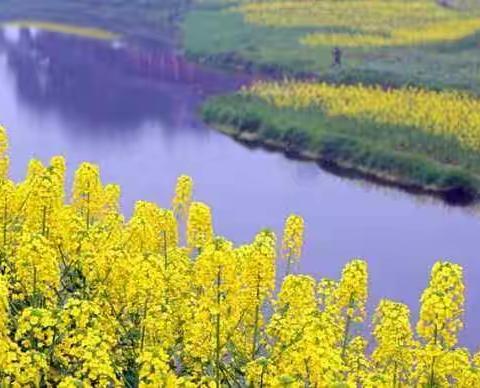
x,y
102,87
132,111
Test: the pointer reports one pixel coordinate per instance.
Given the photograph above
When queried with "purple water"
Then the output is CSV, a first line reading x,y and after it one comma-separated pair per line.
x,y
132,110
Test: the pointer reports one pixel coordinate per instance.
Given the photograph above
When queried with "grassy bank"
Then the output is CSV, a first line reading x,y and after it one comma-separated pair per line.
x,y
215,31
397,155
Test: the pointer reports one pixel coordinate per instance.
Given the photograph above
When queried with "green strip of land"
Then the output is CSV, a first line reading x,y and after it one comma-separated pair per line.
x,y
216,35
396,155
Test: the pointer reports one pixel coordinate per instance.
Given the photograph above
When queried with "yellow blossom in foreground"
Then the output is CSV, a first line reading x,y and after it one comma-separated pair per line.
x,y
394,353
87,192
88,299
37,269
155,371
199,225
442,305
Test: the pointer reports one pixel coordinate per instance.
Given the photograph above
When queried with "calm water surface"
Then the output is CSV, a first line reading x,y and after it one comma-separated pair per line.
x,y
132,110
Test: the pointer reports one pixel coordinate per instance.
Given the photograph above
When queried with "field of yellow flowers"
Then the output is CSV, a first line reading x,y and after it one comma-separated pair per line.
x,y
387,42
90,299
365,22
449,113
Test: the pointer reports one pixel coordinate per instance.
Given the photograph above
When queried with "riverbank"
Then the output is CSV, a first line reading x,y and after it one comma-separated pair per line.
x,y
393,155
296,41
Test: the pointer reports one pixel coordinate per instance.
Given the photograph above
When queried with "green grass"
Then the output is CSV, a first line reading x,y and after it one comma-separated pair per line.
x,y
213,35
394,154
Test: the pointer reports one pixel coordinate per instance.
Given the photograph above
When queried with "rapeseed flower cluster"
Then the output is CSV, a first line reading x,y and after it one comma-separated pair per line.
x,y
452,114
90,299
292,241
364,23
199,225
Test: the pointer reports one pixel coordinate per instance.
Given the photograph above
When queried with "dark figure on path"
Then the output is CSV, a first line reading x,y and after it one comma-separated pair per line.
x,y
337,57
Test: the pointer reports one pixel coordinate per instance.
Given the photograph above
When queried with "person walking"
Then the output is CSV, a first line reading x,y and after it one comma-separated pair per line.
x,y
336,57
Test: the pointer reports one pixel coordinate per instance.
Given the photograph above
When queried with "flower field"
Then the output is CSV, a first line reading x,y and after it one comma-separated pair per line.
x,y
88,298
365,22
384,42
449,113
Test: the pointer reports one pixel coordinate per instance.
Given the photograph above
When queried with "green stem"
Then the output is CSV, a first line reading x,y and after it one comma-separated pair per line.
x,y
88,210
345,337
347,329
142,343
432,368
257,317
217,331
261,376
5,223
307,370
165,254
289,265
432,374
395,375
34,286
44,220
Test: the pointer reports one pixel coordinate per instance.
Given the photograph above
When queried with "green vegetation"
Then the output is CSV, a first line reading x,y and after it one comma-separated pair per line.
x,y
215,34
393,154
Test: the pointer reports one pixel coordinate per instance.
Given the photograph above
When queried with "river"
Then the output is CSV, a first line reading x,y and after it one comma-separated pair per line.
x,y
132,109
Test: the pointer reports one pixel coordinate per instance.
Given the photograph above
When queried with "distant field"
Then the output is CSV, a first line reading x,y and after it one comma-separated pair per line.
x,y
390,42
365,23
